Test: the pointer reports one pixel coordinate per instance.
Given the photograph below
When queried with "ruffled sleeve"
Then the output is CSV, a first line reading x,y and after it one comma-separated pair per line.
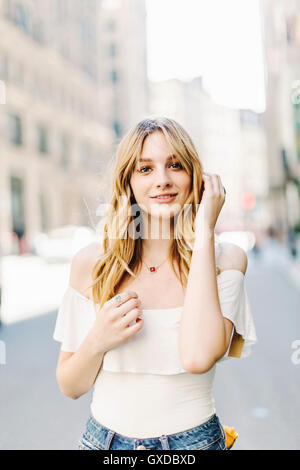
x,y
235,306
75,317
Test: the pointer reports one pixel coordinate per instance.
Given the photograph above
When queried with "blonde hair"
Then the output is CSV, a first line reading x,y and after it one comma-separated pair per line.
x,y
123,253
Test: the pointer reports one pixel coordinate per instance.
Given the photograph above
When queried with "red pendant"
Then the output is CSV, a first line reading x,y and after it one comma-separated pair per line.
x,y
152,269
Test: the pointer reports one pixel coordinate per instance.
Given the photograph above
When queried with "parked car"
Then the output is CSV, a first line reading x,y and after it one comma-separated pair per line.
x,y
63,242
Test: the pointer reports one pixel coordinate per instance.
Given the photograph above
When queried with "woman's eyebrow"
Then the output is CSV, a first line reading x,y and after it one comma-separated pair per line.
x,y
170,157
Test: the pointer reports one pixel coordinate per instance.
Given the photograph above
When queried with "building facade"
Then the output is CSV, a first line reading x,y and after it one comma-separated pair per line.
x,y
281,24
230,143
64,105
123,74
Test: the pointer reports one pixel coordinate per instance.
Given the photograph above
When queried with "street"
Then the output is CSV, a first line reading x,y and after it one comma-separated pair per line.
x,y
258,396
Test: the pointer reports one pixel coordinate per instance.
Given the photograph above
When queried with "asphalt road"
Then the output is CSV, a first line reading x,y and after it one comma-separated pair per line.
x,y
259,395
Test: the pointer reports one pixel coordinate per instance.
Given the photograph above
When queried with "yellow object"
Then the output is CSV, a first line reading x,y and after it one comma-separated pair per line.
x,y
231,436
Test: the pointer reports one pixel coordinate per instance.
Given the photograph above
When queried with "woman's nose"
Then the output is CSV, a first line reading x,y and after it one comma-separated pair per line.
x,y
163,177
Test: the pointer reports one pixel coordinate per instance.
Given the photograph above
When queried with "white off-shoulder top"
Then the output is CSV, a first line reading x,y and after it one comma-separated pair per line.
x,y
142,389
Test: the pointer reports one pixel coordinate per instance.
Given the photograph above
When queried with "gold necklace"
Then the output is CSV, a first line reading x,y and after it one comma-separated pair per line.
x,y
153,269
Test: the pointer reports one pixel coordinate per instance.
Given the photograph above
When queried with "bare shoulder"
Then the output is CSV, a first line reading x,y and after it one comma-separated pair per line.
x,y
232,256
82,265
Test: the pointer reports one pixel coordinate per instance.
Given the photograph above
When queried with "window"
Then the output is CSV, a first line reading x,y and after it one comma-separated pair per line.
x,y
112,50
114,76
42,139
44,215
117,128
64,152
293,29
8,9
17,205
86,31
21,18
14,129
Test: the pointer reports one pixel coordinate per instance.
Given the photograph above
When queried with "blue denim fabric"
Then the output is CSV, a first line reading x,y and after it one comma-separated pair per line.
x,y
207,436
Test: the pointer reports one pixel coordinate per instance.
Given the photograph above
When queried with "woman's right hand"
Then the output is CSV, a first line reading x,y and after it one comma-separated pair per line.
x,y
112,325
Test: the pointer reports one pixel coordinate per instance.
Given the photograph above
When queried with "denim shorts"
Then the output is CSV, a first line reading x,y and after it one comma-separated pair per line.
x,y
207,436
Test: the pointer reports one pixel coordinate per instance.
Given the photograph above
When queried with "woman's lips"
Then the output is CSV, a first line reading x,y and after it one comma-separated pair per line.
x,y
164,199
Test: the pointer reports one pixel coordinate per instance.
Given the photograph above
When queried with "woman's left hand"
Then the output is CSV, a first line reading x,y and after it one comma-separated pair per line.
x,y
212,201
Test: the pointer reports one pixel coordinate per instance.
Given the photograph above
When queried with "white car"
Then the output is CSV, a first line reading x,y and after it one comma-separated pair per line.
x,y
62,243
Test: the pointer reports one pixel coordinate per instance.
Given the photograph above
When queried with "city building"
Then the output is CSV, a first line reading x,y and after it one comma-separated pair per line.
x,y
230,142
71,82
281,25
123,71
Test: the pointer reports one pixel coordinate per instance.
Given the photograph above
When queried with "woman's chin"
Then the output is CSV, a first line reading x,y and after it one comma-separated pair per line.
x,y
165,208
163,211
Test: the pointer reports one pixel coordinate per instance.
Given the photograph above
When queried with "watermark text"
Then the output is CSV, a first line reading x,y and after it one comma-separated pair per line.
x,y
296,354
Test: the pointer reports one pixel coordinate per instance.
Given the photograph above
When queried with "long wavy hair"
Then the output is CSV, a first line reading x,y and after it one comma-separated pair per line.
x,y
122,243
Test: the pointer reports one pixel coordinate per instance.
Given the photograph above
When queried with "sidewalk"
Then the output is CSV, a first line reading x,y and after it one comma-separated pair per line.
x,y
274,253
294,272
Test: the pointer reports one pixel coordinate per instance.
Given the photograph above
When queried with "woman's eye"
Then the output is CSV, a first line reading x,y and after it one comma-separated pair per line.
x,y
180,166
141,170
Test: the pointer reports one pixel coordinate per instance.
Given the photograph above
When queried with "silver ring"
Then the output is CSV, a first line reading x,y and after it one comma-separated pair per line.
x,y
118,299
224,190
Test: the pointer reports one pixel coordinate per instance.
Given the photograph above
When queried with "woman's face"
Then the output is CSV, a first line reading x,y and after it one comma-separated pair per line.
x,y
159,172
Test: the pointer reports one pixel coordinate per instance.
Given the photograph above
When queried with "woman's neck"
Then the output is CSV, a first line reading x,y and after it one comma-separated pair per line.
x,y
155,251
158,234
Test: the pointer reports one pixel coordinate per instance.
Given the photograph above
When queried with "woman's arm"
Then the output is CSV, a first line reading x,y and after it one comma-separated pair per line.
x,y
204,333
77,372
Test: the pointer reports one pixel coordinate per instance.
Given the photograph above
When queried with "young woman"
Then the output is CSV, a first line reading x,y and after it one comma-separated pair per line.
x,y
150,311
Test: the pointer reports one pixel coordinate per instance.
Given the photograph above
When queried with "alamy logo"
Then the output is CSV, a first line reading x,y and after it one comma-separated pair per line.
x,y
296,354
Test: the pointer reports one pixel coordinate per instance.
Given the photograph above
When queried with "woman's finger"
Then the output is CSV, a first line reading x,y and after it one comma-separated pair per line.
x,y
131,316
120,299
208,183
221,187
215,184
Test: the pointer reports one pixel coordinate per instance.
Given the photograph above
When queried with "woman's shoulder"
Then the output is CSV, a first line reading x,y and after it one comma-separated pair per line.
x,y
82,265
91,250
231,256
